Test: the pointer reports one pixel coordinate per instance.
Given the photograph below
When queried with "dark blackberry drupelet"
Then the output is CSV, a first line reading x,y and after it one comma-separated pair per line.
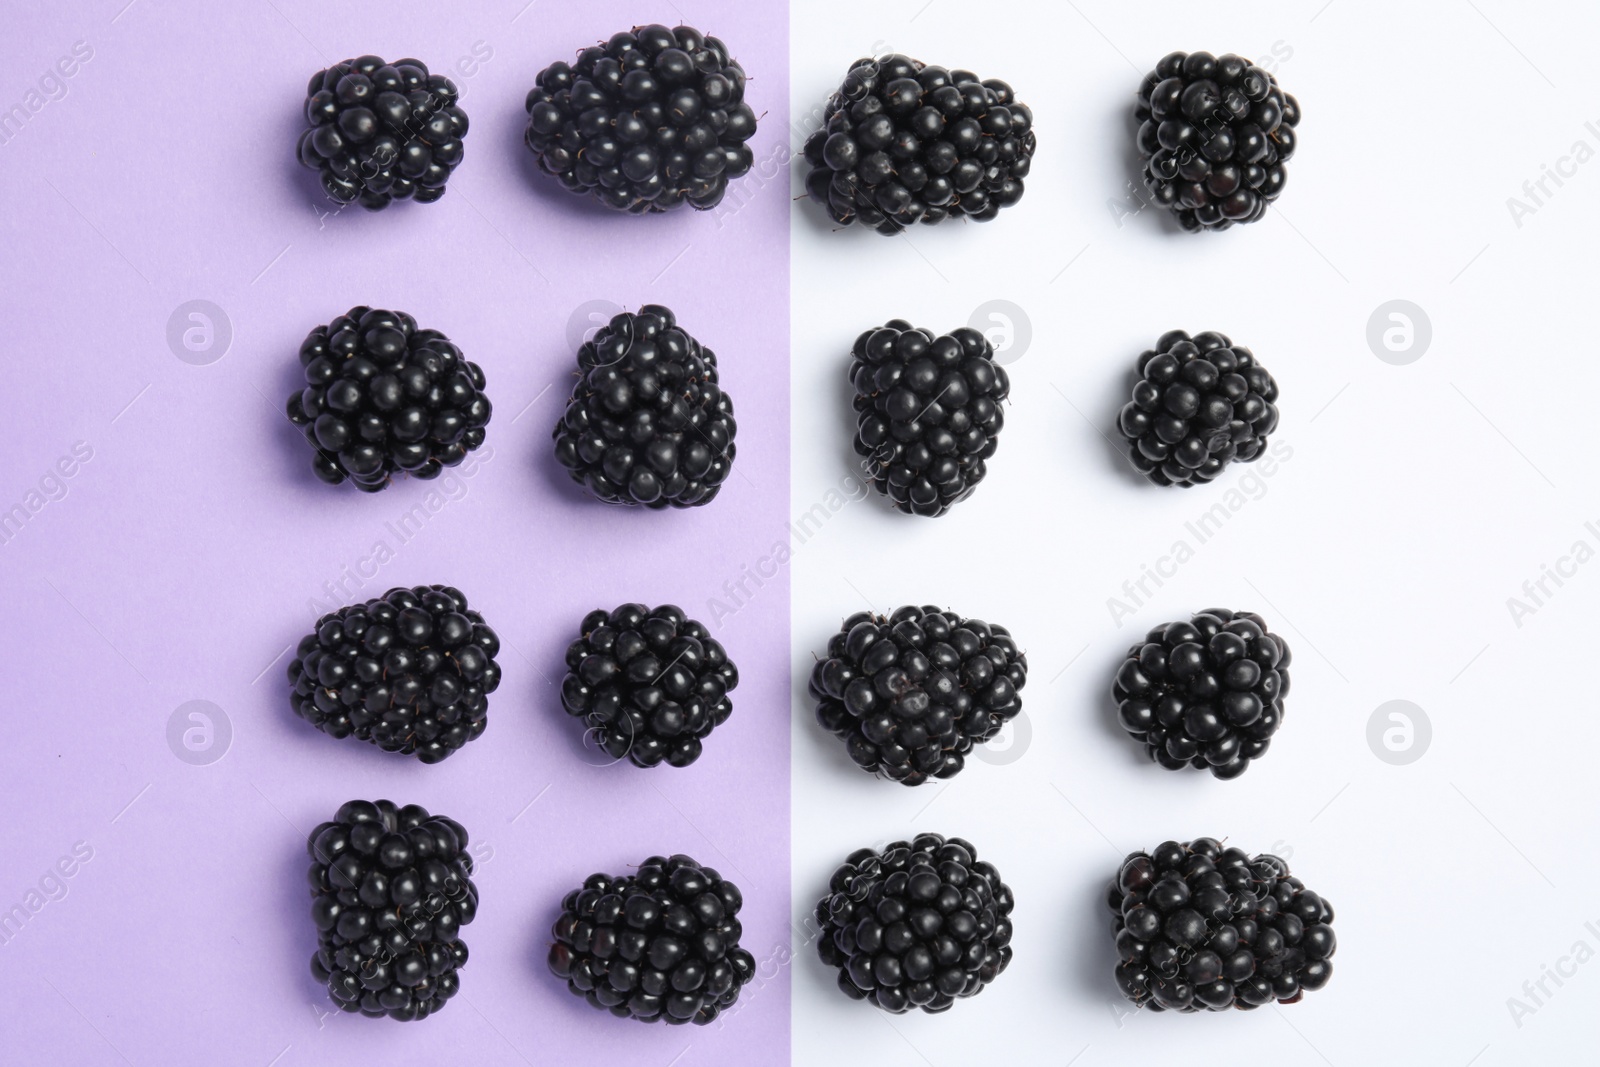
x,y
917,925
1215,134
649,121
1207,693
650,684
1200,927
903,143
391,889
383,397
382,131
1199,403
911,694
928,413
661,944
647,422
410,673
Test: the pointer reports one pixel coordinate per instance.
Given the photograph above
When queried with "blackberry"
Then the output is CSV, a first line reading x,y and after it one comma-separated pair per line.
x,y
650,684
410,672
1200,927
382,131
1215,133
391,888
1200,403
647,422
383,396
916,925
928,413
911,694
661,944
903,142
1207,693
647,122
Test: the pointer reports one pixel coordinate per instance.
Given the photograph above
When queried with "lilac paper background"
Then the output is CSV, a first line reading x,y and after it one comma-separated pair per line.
x,y
186,553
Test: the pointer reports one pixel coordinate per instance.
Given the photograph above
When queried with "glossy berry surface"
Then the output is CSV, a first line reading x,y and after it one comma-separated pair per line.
x,y
918,925
1199,403
391,889
1215,135
1207,693
928,413
911,694
647,422
380,132
1200,927
383,397
650,684
658,945
903,143
410,672
651,120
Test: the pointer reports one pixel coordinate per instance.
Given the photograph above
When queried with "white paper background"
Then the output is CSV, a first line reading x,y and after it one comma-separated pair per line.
x,y
1417,500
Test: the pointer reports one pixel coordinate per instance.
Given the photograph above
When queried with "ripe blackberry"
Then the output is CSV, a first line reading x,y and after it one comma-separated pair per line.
x,y
382,131
911,694
916,925
1200,403
383,396
1215,133
647,422
646,122
1207,693
661,944
927,413
391,889
903,142
1200,927
410,672
650,684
